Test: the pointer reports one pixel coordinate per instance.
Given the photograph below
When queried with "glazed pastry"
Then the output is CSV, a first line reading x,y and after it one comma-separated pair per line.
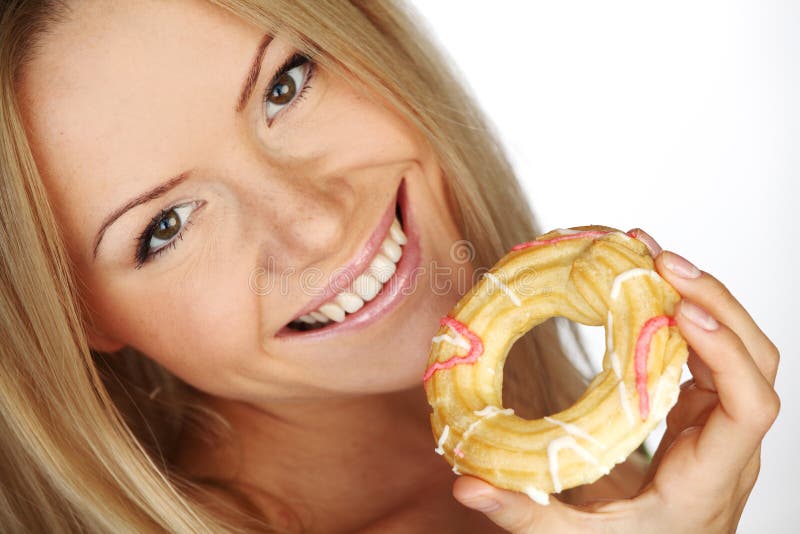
x,y
593,275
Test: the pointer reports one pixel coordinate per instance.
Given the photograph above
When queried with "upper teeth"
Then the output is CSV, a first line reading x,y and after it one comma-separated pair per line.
x,y
367,285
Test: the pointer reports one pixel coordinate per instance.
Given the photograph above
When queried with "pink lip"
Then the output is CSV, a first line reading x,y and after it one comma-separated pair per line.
x,y
347,274
392,290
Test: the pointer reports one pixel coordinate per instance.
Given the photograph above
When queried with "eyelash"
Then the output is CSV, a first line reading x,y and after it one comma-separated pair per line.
x,y
143,254
296,60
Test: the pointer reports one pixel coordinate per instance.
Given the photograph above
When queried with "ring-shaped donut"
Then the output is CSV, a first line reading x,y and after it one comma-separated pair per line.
x,y
594,275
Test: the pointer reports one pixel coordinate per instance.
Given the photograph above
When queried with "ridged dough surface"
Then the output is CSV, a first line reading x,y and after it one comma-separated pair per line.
x,y
571,278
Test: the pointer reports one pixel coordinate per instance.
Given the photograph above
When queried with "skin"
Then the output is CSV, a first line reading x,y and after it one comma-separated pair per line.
x,y
125,95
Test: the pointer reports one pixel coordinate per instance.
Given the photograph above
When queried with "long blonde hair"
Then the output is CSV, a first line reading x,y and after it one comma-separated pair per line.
x,y
86,441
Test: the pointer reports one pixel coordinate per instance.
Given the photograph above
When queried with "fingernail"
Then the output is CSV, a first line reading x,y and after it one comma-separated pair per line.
x,y
689,430
679,265
698,315
482,504
689,384
649,242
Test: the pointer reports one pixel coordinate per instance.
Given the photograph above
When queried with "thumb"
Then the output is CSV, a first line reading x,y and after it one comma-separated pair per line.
x,y
515,512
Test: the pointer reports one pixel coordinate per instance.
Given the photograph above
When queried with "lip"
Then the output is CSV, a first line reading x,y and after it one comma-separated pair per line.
x,y
393,289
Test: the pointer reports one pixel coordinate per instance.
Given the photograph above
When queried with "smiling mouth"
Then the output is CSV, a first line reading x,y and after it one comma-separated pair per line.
x,y
356,296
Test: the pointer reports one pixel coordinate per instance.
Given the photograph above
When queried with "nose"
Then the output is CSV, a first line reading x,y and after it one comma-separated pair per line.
x,y
304,220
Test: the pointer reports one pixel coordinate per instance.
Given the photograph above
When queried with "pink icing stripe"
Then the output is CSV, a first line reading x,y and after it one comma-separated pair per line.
x,y
475,348
580,235
640,358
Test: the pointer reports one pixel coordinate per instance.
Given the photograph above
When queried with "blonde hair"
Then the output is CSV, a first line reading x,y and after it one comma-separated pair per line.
x,y
84,446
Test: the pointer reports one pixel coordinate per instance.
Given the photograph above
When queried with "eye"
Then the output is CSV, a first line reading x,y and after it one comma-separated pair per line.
x,y
288,86
164,229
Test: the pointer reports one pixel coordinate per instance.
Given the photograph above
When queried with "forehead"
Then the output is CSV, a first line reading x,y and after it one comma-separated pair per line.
x,y
124,92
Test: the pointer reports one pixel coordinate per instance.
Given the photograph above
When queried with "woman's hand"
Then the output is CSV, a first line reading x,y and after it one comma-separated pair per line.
x,y
708,460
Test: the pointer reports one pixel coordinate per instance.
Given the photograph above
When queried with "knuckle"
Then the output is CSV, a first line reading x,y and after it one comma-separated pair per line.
x,y
769,406
775,405
773,354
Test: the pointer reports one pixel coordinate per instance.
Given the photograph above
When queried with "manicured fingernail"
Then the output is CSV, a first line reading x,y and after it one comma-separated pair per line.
x,y
649,242
698,315
679,265
483,504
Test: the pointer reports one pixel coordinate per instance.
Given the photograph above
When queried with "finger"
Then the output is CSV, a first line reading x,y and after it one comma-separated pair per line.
x,y
747,405
705,290
671,437
647,239
513,511
693,407
701,374
691,411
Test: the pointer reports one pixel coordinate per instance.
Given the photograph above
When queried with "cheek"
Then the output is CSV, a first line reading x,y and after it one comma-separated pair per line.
x,y
198,327
359,130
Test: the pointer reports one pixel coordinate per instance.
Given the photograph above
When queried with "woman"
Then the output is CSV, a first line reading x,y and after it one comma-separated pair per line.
x,y
228,232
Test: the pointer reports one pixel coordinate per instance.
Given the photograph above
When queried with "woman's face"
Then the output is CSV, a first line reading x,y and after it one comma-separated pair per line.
x,y
279,204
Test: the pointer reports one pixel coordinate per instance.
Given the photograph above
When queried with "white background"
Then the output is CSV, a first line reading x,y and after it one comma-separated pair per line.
x,y
678,117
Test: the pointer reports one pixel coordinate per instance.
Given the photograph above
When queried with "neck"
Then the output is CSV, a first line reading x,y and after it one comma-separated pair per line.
x,y
338,464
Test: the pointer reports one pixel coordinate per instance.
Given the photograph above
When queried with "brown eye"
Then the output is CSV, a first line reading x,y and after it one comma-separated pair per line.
x,y
289,86
166,229
168,226
283,91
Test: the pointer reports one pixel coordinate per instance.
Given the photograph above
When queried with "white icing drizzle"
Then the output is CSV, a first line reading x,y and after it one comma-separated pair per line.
x,y
627,275
626,404
610,330
617,368
623,234
537,495
575,431
491,411
458,340
615,365
555,446
568,231
486,413
439,450
612,355
656,398
504,288
673,398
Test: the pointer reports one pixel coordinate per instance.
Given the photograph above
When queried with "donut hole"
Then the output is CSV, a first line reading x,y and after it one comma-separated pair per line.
x,y
565,374
582,347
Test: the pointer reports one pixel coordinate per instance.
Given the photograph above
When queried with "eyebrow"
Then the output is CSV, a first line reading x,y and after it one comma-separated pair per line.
x,y
252,76
147,196
160,190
